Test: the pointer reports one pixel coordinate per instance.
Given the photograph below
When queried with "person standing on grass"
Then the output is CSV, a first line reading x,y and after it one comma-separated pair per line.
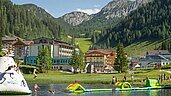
x,y
116,79
164,76
35,75
132,79
113,80
161,78
124,78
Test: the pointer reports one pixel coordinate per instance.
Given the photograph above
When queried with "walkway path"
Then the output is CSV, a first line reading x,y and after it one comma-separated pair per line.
x,y
166,71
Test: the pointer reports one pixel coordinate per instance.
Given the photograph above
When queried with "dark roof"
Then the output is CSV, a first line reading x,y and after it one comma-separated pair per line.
x,y
6,38
101,51
151,52
21,42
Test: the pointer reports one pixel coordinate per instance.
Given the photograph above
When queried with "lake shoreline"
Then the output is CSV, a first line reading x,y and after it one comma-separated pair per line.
x,y
55,77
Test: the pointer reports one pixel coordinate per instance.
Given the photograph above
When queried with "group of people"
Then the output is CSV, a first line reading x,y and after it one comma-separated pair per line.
x,y
36,87
163,77
115,79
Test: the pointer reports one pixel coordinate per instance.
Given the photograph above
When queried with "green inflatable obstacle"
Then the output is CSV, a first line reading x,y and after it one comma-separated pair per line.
x,y
152,83
119,86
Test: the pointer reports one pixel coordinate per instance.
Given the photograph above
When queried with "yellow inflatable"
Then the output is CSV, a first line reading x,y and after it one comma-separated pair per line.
x,y
122,85
71,86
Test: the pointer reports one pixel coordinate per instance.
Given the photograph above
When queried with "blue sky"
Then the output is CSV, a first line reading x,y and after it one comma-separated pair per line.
x,y
58,8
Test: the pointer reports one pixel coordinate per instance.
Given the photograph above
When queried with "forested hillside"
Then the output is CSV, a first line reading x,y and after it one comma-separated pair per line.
x,y
23,21
151,21
108,17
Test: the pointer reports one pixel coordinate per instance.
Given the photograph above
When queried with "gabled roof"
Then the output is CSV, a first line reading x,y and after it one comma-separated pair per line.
x,y
42,38
152,52
105,52
21,42
8,38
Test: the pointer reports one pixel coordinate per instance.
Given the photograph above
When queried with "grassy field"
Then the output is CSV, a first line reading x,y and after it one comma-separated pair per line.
x,y
84,43
140,48
135,49
55,77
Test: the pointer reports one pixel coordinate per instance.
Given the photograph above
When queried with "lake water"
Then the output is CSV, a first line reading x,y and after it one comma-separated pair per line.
x,y
43,91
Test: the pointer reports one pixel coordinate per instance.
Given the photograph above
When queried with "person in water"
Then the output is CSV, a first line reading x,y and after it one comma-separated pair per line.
x,y
76,82
52,92
36,87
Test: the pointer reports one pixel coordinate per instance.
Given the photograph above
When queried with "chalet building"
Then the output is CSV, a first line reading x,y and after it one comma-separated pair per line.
x,y
154,60
61,52
99,60
21,48
7,45
8,41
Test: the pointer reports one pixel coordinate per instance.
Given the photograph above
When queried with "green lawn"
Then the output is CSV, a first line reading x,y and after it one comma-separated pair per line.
x,y
55,77
140,48
136,49
84,43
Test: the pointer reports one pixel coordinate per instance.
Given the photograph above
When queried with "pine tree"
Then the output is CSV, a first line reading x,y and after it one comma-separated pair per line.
x,y
40,56
0,26
0,43
44,59
121,60
75,61
82,63
48,61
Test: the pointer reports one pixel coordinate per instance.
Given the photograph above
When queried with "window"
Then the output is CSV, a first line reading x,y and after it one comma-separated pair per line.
x,y
54,61
60,67
57,61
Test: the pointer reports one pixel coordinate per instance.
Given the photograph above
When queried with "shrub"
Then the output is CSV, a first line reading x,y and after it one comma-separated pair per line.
x,y
27,69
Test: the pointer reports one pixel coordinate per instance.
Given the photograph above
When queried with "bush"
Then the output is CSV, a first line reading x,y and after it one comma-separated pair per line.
x,y
166,67
145,69
27,69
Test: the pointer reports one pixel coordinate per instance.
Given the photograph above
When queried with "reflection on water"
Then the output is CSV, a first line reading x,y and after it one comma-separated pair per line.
x,y
43,91
16,95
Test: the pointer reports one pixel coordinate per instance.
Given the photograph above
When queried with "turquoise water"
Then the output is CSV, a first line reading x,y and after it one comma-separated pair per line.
x,y
43,91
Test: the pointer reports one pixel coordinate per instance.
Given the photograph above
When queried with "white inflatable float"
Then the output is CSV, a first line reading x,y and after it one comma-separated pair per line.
x,y
12,81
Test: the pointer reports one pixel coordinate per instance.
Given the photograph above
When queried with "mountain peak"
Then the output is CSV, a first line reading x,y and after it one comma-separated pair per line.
x,y
38,11
75,18
120,8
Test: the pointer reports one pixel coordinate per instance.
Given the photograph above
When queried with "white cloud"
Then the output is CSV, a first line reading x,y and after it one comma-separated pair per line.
x,y
89,11
97,5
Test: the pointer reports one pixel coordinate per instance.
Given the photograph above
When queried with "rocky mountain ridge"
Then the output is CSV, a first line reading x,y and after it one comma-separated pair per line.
x,y
120,8
115,8
75,18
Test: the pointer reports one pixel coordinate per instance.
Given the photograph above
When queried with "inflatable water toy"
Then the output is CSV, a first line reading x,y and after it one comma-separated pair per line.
x,y
11,80
118,86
